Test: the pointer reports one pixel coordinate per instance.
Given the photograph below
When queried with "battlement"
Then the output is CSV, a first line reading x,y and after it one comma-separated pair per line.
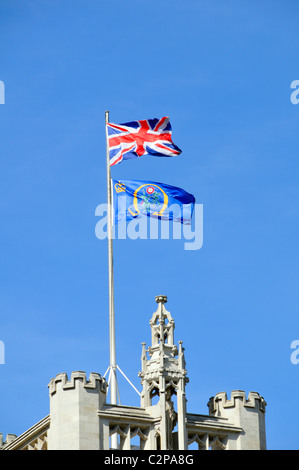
x,y
254,400
74,406
77,378
247,413
9,438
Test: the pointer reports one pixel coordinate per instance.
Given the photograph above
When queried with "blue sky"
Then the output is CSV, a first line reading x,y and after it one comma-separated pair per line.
x,y
222,71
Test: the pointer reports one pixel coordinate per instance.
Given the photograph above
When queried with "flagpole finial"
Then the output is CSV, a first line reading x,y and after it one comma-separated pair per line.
x,y
161,299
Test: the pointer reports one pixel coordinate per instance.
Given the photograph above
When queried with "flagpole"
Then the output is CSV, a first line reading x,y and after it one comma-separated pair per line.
x,y
113,383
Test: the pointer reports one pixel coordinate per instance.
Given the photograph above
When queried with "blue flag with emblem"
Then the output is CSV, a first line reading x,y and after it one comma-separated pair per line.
x,y
135,198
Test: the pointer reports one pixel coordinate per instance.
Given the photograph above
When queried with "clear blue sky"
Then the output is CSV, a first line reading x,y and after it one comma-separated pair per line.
x,y
222,71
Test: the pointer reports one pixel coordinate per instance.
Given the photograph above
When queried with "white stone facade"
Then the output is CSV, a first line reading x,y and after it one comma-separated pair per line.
x,y
80,417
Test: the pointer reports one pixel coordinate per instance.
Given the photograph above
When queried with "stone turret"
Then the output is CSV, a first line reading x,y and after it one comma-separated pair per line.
x,y
164,375
74,404
246,413
9,438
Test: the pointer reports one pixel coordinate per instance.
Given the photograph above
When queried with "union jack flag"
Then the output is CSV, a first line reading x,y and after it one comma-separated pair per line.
x,y
137,138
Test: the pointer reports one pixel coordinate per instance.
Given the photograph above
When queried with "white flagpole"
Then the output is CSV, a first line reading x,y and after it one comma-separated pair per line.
x,y
113,383
112,379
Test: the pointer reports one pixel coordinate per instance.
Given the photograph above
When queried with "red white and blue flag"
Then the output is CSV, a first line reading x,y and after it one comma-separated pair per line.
x,y
137,138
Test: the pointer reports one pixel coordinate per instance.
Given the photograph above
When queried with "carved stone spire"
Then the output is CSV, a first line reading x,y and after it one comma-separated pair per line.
x,y
164,375
162,324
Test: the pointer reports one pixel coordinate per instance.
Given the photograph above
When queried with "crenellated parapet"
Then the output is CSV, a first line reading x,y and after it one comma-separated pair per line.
x,y
254,400
61,382
247,413
8,440
74,406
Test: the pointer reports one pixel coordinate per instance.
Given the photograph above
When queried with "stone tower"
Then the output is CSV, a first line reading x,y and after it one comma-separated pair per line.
x,y
248,414
74,405
164,375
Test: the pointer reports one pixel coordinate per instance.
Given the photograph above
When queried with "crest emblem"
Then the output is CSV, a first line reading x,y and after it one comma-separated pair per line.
x,y
120,187
149,199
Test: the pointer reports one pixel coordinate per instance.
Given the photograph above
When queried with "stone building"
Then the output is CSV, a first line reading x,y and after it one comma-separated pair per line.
x,y
80,417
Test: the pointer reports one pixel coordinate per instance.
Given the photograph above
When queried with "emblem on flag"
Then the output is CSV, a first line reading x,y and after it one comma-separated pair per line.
x,y
137,138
